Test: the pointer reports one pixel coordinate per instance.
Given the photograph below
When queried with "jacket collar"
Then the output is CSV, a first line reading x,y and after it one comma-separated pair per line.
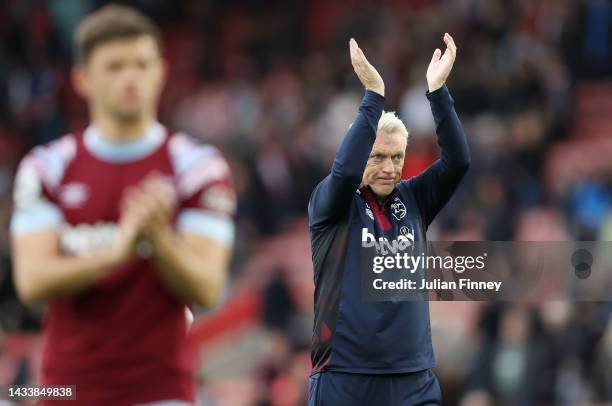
x,y
372,199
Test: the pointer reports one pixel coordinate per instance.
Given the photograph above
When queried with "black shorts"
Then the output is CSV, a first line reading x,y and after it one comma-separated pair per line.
x,y
340,389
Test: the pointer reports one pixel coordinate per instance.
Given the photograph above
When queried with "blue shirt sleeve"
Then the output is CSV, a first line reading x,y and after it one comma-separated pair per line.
x,y
434,186
331,198
33,211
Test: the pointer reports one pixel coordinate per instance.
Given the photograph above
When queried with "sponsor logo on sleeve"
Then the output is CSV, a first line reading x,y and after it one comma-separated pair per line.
x,y
28,189
219,198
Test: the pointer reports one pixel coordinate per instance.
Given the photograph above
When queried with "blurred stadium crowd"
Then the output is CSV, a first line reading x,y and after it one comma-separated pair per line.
x,y
270,83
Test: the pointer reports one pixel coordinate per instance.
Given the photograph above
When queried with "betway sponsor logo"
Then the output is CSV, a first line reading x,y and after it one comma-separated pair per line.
x,y
85,238
383,245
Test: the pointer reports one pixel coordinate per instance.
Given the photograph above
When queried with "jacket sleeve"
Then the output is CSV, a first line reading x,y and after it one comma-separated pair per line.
x,y
434,186
332,197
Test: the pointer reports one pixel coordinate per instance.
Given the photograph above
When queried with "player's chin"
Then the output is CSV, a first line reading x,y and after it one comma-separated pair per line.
x,y
383,188
129,111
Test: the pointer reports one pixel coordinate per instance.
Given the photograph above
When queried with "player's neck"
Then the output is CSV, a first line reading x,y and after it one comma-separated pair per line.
x,y
380,199
122,130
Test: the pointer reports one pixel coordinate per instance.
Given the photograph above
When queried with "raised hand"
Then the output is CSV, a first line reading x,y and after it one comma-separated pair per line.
x,y
441,65
367,74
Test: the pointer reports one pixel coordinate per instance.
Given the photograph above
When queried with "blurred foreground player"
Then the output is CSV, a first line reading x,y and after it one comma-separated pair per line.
x,y
120,227
369,352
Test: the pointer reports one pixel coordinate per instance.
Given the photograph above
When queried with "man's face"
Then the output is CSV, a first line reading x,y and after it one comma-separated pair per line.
x,y
384,167
123,77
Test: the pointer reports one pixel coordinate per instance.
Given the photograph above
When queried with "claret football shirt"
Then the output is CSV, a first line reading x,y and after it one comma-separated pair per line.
x,y
121,341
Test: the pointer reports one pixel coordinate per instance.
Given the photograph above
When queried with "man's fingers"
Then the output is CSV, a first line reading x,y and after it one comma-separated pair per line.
x,y
366,73
360,63
163,194
450,43
448,51
436,56
135,208
158,207
154,200
161,187
357,56
161,206
353,50
362,57
130,199
155,213
448,54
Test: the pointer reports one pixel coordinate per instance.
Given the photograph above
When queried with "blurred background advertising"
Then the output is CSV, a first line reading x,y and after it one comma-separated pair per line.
x,y
270,83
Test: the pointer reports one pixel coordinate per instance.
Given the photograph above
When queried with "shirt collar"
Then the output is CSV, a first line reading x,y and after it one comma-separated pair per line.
x,y
124,151
367,190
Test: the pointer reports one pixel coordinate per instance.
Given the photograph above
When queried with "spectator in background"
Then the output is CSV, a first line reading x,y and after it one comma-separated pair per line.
x,y
539,355
15,369
511,367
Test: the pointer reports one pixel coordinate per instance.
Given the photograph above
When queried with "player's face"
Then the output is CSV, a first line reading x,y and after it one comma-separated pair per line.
x,y
124,77
384,167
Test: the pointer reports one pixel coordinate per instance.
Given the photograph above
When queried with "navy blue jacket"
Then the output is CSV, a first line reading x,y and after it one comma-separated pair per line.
x,y
373,337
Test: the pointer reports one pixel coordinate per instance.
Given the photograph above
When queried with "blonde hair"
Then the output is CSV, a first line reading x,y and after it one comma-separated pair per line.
x,y
390,123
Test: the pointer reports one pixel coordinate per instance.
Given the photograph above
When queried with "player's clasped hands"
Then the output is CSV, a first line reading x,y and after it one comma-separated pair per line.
x,y
146,211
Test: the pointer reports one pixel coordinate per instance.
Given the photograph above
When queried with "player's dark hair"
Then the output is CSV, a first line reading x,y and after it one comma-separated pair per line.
x,y
111,23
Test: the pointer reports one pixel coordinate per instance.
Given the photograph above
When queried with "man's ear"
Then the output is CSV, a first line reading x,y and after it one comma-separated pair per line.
x,y
78,76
